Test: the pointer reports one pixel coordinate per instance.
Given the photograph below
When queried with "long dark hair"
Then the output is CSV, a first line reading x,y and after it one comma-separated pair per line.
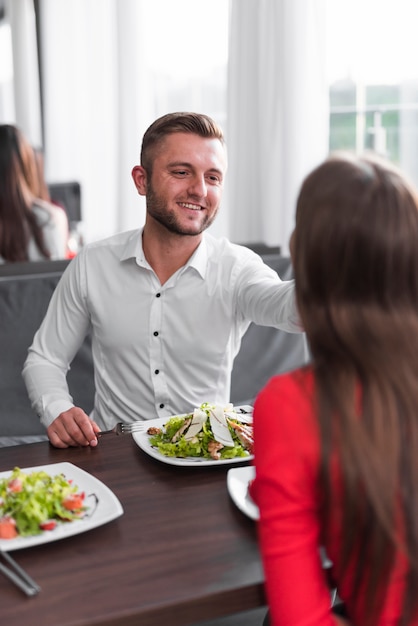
x,y
18,176
355,253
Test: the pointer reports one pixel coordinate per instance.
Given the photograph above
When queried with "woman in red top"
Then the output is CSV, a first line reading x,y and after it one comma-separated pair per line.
x,y
336,443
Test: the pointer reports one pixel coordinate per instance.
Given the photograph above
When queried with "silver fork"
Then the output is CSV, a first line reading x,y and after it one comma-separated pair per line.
x,y
18,575
124,429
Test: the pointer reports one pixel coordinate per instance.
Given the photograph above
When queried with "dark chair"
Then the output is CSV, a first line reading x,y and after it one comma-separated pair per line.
x,y
25,292
24,297
262,248
32,268
68,195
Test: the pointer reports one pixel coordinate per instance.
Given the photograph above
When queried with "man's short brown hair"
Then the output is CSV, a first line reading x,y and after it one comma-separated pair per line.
x,y
183,122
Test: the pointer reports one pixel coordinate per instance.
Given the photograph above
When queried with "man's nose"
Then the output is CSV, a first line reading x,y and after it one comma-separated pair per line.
x,y
198,186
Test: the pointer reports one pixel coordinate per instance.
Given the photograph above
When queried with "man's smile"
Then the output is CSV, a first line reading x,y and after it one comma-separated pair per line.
x,y
188,205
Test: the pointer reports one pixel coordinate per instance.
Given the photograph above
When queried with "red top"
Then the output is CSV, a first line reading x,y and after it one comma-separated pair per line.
x,y
287,453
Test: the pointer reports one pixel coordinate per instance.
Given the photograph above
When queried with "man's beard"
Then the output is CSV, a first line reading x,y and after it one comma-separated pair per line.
x,y
157,209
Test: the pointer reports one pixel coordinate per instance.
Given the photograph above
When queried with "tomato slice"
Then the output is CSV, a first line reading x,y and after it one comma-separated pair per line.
x,y
49,524
15,485
74,502
7,527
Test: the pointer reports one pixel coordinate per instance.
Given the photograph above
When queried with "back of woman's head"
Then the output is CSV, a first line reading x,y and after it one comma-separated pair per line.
x,y
355,254
355,246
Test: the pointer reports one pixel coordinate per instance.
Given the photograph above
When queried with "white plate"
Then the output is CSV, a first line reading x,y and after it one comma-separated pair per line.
x,y
142,440
107,509
237,481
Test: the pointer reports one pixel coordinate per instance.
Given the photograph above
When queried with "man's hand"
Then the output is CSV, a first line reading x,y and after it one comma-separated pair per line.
x,y
73,428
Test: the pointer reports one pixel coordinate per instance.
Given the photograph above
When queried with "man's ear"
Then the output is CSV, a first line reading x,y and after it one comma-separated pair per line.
x,y
139,176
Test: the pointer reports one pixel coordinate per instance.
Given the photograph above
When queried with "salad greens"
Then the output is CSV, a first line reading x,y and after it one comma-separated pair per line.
x,y
168,442
36,501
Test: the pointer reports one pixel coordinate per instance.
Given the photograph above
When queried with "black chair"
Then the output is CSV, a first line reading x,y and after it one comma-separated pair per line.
x,y
68,195
32,268
25,292
24,297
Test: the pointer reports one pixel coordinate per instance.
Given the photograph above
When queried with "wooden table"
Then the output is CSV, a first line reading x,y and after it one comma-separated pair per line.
x,y
181,552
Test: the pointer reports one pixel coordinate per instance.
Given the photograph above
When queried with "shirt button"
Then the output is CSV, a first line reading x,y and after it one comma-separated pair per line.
x,y
161,406
158,295
156,371
156,333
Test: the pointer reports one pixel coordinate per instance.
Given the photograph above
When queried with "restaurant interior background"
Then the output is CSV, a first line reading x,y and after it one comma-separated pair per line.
x,y
288,80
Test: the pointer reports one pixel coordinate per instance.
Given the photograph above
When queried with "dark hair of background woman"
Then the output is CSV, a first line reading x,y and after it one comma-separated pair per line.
x,y
18,182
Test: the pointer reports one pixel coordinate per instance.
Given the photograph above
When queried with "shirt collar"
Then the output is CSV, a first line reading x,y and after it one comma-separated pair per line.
x,y
133,249
199,258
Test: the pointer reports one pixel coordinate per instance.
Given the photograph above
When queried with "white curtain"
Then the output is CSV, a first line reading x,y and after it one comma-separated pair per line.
x,y
104,82
100,96
93,80
26,90
278,112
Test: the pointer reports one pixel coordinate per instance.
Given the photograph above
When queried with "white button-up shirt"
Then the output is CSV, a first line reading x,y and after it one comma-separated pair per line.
x,y
158,350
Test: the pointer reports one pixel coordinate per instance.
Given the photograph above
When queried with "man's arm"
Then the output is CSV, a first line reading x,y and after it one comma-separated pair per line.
x,y
266,300
54,346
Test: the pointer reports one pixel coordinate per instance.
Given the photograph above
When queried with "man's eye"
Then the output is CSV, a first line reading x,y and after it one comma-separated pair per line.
x,y
180,172
214,179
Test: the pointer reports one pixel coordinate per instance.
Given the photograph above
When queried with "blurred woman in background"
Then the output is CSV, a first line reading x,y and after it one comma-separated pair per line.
x,y
336,442
31,227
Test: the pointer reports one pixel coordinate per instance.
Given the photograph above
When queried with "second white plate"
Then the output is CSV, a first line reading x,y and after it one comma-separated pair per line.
x,y
103,507
237,481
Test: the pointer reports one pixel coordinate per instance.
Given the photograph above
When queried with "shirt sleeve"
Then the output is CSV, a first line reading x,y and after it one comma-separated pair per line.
x,y
265,299
286,461
55,344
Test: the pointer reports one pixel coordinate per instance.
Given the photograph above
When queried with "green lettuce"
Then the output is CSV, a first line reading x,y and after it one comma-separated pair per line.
x,y
38,499
198,446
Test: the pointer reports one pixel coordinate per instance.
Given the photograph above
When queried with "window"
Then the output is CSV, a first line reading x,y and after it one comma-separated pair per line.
x,y
372,52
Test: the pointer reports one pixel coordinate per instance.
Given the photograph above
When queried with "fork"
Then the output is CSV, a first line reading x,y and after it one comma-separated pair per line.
x,y
18,575
124,429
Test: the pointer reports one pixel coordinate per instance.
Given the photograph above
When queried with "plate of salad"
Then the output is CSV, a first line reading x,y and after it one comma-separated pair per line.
x,y
50,502
209,435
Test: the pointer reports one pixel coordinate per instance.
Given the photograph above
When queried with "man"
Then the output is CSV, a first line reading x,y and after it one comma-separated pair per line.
x,y
167,306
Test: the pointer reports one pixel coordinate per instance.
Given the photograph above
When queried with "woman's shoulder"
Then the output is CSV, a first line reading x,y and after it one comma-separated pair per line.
x,y
290,395
47,212
285,422
298,383
52,219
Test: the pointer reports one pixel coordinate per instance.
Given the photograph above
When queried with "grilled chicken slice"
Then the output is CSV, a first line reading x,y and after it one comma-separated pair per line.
x,y
181,430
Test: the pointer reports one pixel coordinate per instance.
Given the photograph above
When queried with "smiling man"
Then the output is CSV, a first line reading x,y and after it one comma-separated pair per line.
x,y
181,174
166,305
